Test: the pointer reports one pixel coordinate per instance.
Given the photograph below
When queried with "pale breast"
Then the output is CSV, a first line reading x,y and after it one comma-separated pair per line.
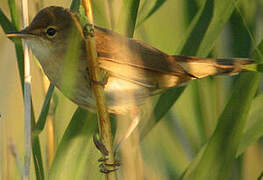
x,y
71,78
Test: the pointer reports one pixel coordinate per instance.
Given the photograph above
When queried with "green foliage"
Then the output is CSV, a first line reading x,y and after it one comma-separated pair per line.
x,y
254,127
74,150
9,27
213,121
13,12
127,22
156,5
5,23
202,32
228,133
74,7
44,112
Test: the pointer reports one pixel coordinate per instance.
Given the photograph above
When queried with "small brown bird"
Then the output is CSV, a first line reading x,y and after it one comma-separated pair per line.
x,y
133,69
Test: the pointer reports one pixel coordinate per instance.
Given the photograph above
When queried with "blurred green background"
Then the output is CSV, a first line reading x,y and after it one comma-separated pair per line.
x,y
175,141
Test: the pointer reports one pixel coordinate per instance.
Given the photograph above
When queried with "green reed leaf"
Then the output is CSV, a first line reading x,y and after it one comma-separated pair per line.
x,y
217,157
157,4
127,20
9,27
44,111
198,41
74,7
74,150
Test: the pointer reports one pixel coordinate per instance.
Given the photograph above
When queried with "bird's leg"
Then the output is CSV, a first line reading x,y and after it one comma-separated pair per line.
x,y
104,167
127,145
135,119
100,146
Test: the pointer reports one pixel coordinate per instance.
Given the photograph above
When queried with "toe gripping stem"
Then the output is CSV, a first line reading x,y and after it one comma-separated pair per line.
x,y
104,167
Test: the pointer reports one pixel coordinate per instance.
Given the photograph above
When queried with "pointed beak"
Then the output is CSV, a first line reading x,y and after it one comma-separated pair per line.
x,y
20,34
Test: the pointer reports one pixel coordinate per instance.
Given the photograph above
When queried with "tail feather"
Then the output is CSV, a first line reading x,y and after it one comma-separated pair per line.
x,y
200,68
253,67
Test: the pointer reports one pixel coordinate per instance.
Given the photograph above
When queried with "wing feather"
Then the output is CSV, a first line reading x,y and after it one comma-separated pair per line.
x,y
137,62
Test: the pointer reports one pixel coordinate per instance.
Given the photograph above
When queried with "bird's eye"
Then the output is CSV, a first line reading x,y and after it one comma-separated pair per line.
x,y
51,32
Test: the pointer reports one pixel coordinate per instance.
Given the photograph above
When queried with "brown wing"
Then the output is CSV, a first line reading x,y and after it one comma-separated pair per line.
x,y
137,62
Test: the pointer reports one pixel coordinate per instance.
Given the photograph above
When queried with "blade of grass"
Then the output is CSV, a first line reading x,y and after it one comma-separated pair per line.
x,y
127,20
9,27
5,23
44,111
161,108
205,27
216,159
200,115
219,155
101,16
74,7
260,176
20,61
156,6
110,13
191,8
37,157
73,150
241,42
13,12
199,40
255,130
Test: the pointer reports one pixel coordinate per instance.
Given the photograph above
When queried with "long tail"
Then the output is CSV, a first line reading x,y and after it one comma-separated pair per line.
x,y
199,68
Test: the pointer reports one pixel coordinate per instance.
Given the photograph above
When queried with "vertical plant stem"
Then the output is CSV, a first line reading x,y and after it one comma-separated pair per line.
x,y
95,76
27,100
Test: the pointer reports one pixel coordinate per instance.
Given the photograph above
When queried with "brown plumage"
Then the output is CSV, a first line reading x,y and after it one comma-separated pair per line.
x,y
135,70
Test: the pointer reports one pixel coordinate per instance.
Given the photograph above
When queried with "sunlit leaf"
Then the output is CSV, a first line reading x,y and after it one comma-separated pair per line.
x,y
9,27
127,20
5,23
44,112
254,129
198,41
13,12
228,133
74,7
75,149
155,7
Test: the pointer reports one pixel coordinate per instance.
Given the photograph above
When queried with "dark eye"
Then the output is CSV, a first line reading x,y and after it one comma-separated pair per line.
x,y
51,32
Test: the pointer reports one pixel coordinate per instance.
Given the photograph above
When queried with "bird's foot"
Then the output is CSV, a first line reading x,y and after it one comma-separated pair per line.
x,y
105,167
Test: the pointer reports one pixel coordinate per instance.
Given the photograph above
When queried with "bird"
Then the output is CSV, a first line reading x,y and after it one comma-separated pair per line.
x,y
133,70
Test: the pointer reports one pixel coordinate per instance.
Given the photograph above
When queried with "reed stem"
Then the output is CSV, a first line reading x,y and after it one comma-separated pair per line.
x,y
95,76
